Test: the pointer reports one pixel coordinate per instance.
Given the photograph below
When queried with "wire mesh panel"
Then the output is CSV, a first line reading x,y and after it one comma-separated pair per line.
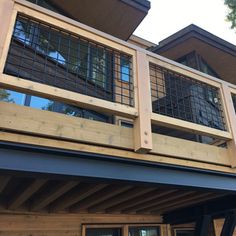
x,y
49,55
234,101
184,98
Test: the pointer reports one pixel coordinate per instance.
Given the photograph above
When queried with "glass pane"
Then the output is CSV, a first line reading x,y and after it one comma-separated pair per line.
x,y
184,233
103,232
12,97
68,109
144,231
41,103
125,69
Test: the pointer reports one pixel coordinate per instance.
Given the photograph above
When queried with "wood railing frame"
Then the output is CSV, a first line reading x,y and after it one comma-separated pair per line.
x,y
141,113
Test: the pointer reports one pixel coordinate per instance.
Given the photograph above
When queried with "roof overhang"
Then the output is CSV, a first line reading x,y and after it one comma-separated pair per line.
x,y
218,53
116,17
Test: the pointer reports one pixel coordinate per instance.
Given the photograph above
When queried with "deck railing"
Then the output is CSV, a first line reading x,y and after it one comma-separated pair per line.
x,y
48,55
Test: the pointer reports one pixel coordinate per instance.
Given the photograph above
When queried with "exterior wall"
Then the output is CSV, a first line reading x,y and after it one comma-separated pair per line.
x,y
66,225
218,224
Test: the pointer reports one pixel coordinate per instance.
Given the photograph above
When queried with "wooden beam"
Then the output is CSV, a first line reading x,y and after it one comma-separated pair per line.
x,y
4,180
229,224
100,196
221,165
132,193
190,127
48,197
183,70
142,124
55,125
191,200
192,150
69,97
202,225
155,203
83,191
6,11
230,113
131,205
27,192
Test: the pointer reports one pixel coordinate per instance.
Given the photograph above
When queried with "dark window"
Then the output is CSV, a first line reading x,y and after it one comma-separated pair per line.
x,y
144,231
125,68
51,105
48,5
103,232
44,54
184,233
184,98
195,61
234,101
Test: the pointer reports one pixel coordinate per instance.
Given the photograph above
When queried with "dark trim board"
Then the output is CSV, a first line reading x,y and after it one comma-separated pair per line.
x,y
86,165
193,31
142,5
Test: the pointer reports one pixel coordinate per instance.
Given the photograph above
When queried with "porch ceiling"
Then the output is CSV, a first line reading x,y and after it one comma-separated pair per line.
x,y
23,193
116,17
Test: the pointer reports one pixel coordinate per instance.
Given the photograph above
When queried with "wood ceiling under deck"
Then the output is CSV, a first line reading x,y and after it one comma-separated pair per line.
x,y
29,194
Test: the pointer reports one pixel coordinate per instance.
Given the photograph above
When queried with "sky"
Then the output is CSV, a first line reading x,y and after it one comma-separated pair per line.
x,y
169,16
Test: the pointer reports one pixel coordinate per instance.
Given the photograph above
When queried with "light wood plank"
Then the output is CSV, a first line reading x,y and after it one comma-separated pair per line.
x,y
50,124
73,98
142,124
24,195
6,13
171,122
55,192
46,142
62,222
183,70
171,146
229,110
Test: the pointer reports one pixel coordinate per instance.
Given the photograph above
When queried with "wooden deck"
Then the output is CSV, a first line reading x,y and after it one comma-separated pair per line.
x,y
48,204
26,125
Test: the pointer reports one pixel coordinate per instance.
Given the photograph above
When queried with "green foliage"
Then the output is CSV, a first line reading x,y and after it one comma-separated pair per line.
x,y
5,96
232,12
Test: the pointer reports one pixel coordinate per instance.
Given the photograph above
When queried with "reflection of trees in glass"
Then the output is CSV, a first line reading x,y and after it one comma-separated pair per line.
x,y
49,106
85,59
5,96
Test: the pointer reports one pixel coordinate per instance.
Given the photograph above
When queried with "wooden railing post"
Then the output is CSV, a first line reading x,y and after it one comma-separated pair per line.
x,y
142,124
6,9
229,107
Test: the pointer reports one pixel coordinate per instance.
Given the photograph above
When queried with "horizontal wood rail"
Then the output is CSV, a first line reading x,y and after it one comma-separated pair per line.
x,y
29,121
189,127
73,98
140,139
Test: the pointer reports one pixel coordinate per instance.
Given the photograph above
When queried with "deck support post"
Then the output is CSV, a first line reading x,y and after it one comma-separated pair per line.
x,y
230,113
6,9
229,225
202,225
142,124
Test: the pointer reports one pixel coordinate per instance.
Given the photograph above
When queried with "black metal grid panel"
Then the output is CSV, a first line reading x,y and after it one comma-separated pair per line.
x,y
184,98
46,54
234,101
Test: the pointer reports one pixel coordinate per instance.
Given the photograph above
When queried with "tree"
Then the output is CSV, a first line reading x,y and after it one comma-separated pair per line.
x,y
5,96
232,12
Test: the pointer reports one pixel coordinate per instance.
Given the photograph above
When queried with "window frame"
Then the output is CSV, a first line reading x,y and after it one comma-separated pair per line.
x,y
124,227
